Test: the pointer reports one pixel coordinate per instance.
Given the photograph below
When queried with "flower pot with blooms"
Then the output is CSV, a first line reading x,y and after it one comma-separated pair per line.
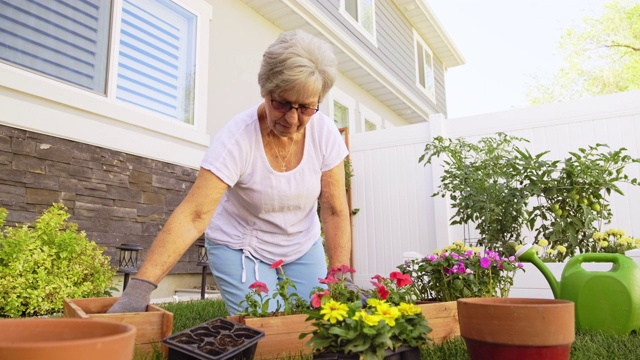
x,y
345,326
459,271
287,303
282,326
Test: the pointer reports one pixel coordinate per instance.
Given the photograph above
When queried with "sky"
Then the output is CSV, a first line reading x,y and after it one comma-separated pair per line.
x,y
505,43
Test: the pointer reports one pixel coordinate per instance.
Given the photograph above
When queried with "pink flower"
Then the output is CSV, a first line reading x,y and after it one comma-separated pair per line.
x,y
330,279
346,269
259,287
277,264
485,262
432,257
401,279
377,278
316,299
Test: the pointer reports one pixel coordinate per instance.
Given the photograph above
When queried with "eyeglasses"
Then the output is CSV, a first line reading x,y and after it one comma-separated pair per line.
x,y
285,106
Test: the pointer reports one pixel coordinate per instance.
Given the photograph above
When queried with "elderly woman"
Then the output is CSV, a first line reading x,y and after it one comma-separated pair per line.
x,y
256,193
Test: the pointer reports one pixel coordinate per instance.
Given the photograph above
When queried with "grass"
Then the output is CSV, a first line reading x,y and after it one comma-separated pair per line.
x,y
587,346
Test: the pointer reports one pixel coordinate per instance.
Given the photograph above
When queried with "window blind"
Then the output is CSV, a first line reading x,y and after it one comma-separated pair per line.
x,y
63,39
156,57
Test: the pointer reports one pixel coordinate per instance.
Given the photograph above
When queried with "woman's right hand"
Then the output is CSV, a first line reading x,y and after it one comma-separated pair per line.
x,y
135,297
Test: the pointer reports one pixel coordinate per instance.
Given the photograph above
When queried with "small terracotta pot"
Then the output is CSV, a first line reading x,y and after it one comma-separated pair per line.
x,y
66,339
513,328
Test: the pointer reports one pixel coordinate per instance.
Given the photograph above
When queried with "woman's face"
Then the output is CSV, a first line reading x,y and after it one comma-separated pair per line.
x,y
283,118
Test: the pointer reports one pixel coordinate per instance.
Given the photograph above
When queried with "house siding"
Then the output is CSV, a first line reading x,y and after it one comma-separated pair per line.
x,y
395,49
113,196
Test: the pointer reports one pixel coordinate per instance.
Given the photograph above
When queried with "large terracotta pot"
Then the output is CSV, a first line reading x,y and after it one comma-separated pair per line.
x,y
65,339
517,328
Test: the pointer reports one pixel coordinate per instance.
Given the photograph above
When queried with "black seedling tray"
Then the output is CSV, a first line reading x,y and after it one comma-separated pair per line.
x,y
216,339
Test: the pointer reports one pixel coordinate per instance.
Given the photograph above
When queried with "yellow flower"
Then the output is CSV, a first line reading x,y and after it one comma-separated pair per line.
x,y
371,320
561,249
598,236
537,248
334,311
375,302
623,241
408,309
388,313
550,251
519,246
458,243
543,242
603,243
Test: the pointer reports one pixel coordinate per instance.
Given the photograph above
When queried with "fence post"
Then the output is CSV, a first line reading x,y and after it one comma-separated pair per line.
x,y
437,127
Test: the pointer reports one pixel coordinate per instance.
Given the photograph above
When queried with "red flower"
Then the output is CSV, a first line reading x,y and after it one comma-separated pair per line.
x,y
277,264
401,279
330,279
383,293
259,287
378,278
316,299
346,269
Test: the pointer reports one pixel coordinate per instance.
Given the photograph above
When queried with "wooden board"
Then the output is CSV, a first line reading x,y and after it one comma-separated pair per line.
x,y
152,326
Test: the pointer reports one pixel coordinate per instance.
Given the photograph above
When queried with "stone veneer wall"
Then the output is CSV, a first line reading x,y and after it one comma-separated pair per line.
x,y
113,196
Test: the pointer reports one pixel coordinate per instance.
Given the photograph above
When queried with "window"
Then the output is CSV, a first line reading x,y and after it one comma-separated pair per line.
x,y
342,109
340,114
424,67
362,14
369,120
67,41
144,55
156,57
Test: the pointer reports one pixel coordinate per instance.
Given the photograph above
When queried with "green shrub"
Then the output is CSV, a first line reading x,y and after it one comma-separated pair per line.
x,y
42,264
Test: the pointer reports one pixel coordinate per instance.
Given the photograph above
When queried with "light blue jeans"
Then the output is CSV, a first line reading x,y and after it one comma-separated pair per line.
x,y
226,266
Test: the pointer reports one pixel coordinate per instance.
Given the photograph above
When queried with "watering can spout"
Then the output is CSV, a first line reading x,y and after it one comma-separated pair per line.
x,y
528,254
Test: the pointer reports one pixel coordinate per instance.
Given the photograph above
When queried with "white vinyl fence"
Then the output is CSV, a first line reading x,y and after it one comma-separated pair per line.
x,y
398,218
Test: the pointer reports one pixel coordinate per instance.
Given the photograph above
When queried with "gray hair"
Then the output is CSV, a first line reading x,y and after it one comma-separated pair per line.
x,y
297,63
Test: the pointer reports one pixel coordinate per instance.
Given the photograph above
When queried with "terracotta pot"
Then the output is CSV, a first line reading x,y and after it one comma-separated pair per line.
x,y
66,339
517,328
152,326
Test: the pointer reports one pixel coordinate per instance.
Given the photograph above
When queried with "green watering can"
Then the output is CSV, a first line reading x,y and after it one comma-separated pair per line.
x,y
607,301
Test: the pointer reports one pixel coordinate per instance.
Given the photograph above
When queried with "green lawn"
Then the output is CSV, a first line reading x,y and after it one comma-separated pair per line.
x,y
588,345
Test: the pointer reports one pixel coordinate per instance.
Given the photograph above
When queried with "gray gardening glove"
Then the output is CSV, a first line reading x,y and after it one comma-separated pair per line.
x,y
135,297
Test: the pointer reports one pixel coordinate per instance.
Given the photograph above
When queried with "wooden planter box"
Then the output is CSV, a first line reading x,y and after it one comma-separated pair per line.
x,y
281,332
280,335
443,320
152,326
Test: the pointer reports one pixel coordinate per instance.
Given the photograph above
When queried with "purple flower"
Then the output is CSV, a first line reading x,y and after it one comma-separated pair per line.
x,y
485,262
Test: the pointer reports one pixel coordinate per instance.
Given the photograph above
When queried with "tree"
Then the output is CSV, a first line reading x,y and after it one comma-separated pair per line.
x,y
600,57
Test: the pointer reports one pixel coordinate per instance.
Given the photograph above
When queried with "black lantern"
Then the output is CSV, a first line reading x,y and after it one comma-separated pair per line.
x,y
128,261
203,260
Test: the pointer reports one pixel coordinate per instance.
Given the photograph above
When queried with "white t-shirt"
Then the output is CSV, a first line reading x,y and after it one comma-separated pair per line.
x,y
268,214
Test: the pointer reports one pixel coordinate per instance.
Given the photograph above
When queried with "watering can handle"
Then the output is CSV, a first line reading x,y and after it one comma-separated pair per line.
x,y
598,257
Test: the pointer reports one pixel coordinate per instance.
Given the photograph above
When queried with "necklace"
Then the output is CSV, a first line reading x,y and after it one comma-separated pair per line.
x,y
284,162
